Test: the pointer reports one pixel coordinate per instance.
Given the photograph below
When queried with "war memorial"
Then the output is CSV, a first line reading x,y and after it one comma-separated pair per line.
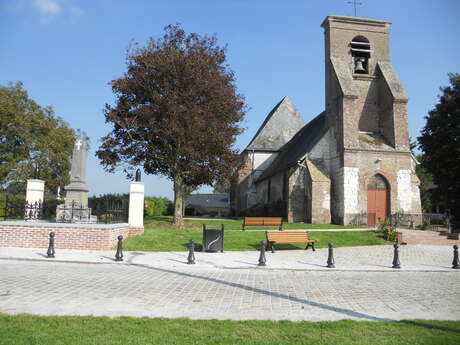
x,y
74,226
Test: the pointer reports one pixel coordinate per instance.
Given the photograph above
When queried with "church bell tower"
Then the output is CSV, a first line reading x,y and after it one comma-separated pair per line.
x,y
366,110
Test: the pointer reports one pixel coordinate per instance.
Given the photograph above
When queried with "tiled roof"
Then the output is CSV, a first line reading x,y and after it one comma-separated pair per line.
x,y
298,146
278,128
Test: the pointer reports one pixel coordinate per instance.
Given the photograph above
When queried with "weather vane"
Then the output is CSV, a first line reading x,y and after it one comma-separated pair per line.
x,y
354,3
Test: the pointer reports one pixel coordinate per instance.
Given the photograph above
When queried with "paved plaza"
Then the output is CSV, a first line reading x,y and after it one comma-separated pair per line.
x,y
295,285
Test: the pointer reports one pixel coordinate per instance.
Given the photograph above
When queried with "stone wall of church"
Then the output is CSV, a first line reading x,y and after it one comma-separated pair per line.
x,y
336,176
276,187
400,125
320,153
337,192
318,201
270,189
321,203
367,109
387,126
296,201
245,193
241,184
403,181
351,190
262,192
395,167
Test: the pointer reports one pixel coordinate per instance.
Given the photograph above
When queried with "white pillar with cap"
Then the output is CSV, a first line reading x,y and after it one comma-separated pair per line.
x,y
35,191
136,202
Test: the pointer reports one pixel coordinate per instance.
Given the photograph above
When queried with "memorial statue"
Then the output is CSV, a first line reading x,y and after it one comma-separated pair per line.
x,y
75,209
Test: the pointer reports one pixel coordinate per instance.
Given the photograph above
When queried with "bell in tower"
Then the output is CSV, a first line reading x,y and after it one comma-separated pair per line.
x,y
361,52
359,65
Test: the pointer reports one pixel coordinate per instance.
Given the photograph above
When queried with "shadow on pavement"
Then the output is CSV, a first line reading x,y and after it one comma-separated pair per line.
x,y
343,311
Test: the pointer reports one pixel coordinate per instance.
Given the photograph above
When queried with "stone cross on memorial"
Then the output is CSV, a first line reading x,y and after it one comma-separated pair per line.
x,y
77,191
75,209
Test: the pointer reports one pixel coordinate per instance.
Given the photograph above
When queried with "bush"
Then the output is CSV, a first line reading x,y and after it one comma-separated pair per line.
x,y
388,231
12,205
155,206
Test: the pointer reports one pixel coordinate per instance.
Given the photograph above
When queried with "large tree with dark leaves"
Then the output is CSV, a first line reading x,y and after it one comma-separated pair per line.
x,y
176,113
440,143
30,136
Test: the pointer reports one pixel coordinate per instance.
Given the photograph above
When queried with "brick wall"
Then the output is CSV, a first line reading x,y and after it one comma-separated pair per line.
x,y
67,236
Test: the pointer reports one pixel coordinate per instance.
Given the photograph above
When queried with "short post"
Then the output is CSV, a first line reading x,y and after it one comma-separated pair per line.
x,y
262,260
396,263
191,253
456,262
119,253
136,204
330,256
50,252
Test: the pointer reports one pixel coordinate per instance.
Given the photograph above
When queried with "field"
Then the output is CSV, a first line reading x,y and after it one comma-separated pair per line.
x,y
161,235
72,330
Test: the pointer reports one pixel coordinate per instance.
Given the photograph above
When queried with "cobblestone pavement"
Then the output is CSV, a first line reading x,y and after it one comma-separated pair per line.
x,y
365,258
54,288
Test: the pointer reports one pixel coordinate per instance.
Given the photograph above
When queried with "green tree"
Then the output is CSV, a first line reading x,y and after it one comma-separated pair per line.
x,y
30,136
223,185
440,143
176,114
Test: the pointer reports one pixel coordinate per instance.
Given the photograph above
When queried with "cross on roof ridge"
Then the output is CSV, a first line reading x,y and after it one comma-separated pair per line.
x,y
354,3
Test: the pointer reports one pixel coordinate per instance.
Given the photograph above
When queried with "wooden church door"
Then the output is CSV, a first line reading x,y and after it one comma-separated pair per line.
x,y
377,200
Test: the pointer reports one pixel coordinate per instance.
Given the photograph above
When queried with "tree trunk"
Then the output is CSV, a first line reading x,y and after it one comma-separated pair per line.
x,y
178,201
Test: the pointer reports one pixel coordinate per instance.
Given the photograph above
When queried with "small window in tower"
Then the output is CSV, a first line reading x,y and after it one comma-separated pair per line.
x,y
361,52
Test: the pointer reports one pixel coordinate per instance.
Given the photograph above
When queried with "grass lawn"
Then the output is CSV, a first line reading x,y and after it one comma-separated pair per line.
x,y
165,222
161,235
38,330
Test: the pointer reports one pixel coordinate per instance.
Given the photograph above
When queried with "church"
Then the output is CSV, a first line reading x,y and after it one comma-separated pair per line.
x,y
352,161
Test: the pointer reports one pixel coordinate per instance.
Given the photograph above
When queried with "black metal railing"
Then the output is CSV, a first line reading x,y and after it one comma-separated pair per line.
x,y
423,221
110,211
33,210
14,207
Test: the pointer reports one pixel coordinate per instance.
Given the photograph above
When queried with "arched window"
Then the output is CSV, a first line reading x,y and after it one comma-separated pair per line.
x,y
377,182
361,52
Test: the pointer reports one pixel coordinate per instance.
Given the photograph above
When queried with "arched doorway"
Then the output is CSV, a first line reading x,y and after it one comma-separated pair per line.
x,y
378,200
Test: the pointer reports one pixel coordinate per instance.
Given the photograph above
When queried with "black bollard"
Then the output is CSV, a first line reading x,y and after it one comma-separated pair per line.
x,y
191,253
262,260
119,253
330,256
50,252
396,263
456,262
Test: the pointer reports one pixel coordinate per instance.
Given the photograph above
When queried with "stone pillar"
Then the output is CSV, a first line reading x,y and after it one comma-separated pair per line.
x,y
136,204
35,191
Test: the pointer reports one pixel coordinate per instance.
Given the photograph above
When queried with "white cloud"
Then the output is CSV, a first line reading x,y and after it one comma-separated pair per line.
x,y
47,8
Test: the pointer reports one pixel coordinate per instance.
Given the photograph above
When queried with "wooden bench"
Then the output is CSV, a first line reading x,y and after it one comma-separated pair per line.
x,y
288,237
263,221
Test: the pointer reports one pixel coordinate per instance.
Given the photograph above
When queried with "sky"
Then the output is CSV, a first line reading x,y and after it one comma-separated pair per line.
x,y
67,51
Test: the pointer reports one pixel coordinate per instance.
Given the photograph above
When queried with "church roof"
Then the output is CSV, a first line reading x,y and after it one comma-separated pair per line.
x,y
298,146
278,128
